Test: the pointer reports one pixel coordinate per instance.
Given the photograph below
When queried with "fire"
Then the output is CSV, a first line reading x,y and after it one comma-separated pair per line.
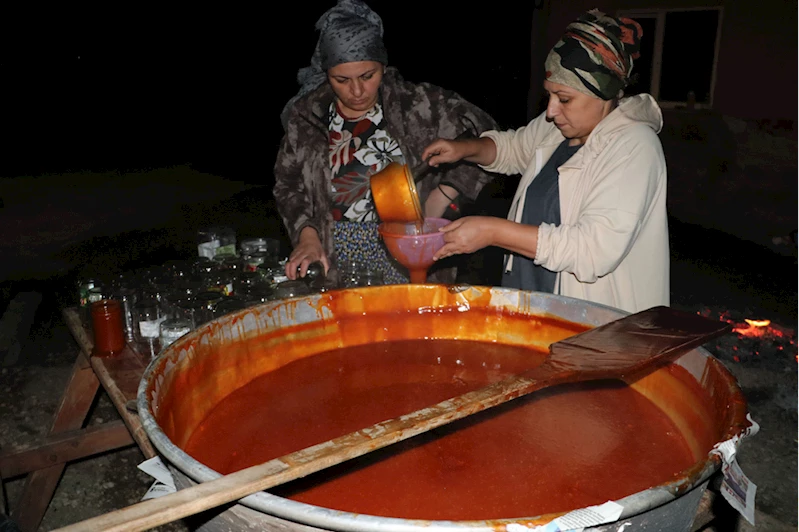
x,y
755,328
754,336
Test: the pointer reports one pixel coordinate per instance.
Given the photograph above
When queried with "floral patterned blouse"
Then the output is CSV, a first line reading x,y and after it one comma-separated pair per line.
x,y
358,149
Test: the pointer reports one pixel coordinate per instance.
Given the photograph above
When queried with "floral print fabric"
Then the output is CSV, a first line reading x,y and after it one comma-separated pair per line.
x,y
359,243
358,149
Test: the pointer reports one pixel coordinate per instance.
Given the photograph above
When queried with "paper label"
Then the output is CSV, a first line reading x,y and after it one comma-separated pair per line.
x,y
169,335
738,490
577,520
208,249
230,248
150,329
591,516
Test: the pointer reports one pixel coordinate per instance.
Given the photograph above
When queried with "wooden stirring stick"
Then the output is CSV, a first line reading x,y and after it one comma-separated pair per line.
x,y
625,348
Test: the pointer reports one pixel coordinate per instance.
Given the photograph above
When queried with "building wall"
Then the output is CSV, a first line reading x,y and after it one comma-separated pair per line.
x,y
756,74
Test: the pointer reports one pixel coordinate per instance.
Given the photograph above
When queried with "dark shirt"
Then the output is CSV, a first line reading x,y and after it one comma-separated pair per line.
x,y
542,205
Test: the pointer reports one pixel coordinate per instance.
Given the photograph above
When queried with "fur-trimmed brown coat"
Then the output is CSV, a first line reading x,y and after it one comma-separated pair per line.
x,y
415,114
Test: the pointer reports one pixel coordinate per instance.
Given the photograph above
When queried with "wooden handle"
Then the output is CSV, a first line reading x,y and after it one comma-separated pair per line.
x,y
232,487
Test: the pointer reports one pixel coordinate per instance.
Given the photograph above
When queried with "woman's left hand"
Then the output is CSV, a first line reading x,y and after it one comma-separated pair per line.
x,y
466,235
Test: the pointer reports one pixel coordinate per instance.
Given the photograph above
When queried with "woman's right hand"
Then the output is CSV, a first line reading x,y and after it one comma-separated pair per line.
x,y
309,249
481,151
443,151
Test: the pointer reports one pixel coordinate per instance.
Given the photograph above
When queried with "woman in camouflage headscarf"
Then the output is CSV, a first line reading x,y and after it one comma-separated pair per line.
x,y
353,116
589,216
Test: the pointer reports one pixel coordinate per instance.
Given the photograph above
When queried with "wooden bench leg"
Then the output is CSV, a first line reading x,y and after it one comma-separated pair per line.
x,y
40,485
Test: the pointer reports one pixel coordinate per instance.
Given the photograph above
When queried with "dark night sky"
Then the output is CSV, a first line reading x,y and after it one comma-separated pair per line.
x,y
146,87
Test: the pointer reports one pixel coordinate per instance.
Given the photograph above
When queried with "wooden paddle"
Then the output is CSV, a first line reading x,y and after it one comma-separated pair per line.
x,y
625,348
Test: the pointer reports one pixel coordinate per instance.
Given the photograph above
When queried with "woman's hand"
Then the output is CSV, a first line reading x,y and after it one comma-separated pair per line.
x,y
467,235
443,151
309,249
481,151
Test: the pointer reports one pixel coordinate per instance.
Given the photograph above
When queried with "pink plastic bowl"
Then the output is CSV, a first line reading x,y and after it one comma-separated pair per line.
x,y
414,244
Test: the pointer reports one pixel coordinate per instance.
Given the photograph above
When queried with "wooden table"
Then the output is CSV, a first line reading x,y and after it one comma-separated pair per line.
x,y
69,439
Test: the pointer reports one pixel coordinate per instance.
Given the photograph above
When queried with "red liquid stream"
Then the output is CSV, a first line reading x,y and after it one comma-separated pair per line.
x,y
418,276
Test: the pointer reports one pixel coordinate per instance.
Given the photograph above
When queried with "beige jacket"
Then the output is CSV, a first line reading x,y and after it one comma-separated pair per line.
x,y
612,246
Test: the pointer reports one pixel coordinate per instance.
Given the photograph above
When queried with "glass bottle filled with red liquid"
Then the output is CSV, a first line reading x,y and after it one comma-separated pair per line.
x,y
109,335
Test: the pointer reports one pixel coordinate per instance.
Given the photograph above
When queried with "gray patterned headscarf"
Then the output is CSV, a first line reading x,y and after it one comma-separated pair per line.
x,y
349,32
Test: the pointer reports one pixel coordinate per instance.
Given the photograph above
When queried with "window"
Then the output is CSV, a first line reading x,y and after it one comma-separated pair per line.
x,y
679,52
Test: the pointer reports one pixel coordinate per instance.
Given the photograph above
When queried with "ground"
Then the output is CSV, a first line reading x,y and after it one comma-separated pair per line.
x,y
732,200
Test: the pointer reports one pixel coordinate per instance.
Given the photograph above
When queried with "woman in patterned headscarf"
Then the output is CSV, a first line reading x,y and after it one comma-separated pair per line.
x,y
589,216
352,116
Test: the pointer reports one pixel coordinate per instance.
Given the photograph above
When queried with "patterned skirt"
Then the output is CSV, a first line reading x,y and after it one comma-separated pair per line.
x,y
359,244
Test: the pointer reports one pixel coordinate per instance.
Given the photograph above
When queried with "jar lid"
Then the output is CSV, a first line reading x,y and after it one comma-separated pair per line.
x,y
291,288
209,295
222,257
146,303
229,304
189,304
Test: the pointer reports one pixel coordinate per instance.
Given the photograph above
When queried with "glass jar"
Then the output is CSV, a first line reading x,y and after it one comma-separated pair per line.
x,y
249,246
179,268
84,286
147,318
268,273
190,286
207,242
96,294
227,239
289,288
168,303
127,298
370,277
246,281
229,262
204,266
257,258
209,299
160,285
354,274
173,328
314,276
109,336
194,311
272,248
348,272
225,281
214,240
260,294
228,305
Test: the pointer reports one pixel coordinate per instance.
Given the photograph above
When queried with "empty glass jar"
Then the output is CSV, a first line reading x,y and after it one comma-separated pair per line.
x,y
173,328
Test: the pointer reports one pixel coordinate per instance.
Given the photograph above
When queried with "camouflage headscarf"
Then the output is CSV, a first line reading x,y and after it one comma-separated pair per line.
x,y
350,31
595,55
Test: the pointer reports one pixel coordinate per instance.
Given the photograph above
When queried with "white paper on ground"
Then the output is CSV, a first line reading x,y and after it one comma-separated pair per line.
x,y
158,489
164,483
736,488
156,469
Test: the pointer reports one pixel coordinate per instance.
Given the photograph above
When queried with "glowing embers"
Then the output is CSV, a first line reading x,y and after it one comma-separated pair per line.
x,y
752,337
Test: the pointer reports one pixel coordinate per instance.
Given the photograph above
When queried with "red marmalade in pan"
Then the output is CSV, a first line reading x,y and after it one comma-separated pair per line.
x,y
558,449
